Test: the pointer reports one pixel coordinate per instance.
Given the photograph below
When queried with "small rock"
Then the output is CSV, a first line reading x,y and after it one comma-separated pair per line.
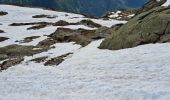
x,y
2,13
40,16
1,31
3,39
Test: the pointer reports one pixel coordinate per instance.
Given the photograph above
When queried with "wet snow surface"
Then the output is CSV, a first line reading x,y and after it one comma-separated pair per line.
x,y
141,73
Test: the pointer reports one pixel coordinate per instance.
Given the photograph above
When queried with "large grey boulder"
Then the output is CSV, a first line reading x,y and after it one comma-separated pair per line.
x,y
151,26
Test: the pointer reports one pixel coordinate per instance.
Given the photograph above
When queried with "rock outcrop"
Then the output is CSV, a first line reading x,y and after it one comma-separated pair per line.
x,y
152,26
9,63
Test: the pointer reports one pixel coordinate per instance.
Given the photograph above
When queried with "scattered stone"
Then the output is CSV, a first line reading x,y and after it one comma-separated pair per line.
x,y
57,60
9,63
3,39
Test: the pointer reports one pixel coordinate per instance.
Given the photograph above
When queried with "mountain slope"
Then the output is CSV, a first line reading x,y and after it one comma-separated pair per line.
x,y
87,73
89,7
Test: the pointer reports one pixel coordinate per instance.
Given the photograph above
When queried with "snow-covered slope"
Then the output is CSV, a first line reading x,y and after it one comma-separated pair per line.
x,y
140,73
167,3
24,15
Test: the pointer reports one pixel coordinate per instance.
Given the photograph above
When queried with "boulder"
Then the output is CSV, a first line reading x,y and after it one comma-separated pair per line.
x,y
151,26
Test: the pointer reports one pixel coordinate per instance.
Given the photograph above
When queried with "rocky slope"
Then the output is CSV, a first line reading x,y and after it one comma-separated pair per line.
x,y
149,26
89,7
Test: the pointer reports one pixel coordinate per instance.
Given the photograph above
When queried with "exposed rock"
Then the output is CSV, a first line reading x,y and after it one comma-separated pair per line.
x,y
13,51
9,63
68,35
40,16
79,36
122,14
3,57
61,23
57,60
151,4
28,39
89,23
37,27
3,39
44,16
2,13
148,27
1,31
39,59
33,23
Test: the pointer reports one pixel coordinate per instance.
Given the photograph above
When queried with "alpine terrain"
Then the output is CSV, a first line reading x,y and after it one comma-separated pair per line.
x,y
57,55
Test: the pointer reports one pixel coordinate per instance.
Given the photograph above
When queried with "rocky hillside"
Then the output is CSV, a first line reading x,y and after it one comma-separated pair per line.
x,y
89,7
149,26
